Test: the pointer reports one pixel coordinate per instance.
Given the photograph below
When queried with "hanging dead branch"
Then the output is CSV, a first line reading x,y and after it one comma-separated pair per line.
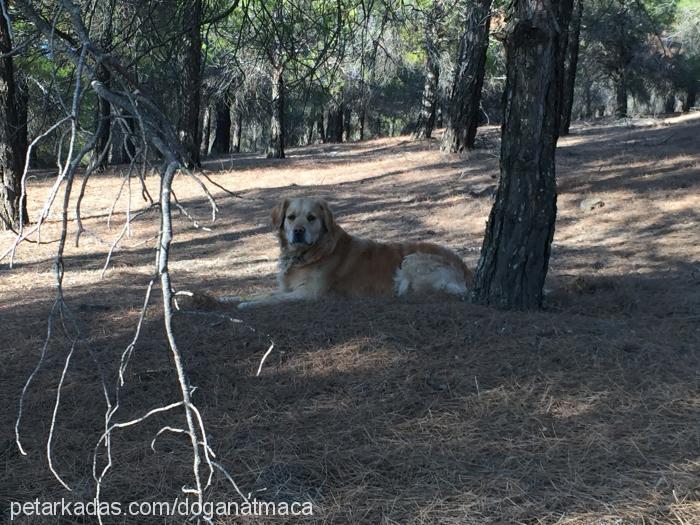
x,y
127,100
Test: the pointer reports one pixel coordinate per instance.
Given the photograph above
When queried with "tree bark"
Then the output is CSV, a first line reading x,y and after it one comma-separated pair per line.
x,y
123,148
465,98
22,98
587,100
103,116
517,243
10,163
103,109
192,85
621,95
363,117
426,118
347,124
275,149
320,128
334,130
237,132
206,130
691,96
570,66
222,134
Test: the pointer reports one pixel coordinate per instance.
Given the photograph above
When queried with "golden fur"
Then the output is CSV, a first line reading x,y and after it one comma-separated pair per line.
x,y
319,258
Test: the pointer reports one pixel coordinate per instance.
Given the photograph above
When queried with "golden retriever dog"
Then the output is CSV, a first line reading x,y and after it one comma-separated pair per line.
x,y
319,258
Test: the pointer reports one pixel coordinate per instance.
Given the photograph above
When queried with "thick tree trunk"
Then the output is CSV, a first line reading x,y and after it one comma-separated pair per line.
x,y
463,109
516,249
192,84
670,103
275,149
334,130
10,163
222,134
570,66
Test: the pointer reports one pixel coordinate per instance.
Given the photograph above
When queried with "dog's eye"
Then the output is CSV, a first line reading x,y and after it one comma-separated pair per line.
x,y
291,217
311,218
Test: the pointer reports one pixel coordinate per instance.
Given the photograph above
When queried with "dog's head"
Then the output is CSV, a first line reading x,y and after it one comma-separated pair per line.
x,y
303,224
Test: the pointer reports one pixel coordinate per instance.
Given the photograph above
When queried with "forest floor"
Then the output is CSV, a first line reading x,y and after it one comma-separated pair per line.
x,y
384,411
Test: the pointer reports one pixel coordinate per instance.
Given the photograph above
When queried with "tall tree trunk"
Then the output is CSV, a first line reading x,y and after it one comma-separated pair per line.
x,y
363,117
103,117
10,163
22,104
570,66
275,149
334,130
193,84
320,128
206,130
621,95
103,109
588,100
670,103
347,124
123,148
517,243
426,117
465,98
237,132
377,126
691,95
222,135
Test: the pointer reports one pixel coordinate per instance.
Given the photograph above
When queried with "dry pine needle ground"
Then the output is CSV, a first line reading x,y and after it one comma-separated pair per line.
x,y
392,411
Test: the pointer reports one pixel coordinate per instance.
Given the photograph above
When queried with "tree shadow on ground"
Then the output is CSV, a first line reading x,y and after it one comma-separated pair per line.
x,y
413,411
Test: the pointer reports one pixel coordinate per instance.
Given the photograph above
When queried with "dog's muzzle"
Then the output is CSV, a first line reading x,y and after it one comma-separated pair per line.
x,y
299,236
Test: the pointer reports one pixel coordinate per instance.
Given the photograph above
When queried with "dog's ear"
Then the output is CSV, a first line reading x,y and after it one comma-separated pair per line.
x,y
278,213
326,215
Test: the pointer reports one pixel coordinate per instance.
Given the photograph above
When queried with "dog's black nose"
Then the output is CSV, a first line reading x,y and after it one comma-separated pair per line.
x,y
299,234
